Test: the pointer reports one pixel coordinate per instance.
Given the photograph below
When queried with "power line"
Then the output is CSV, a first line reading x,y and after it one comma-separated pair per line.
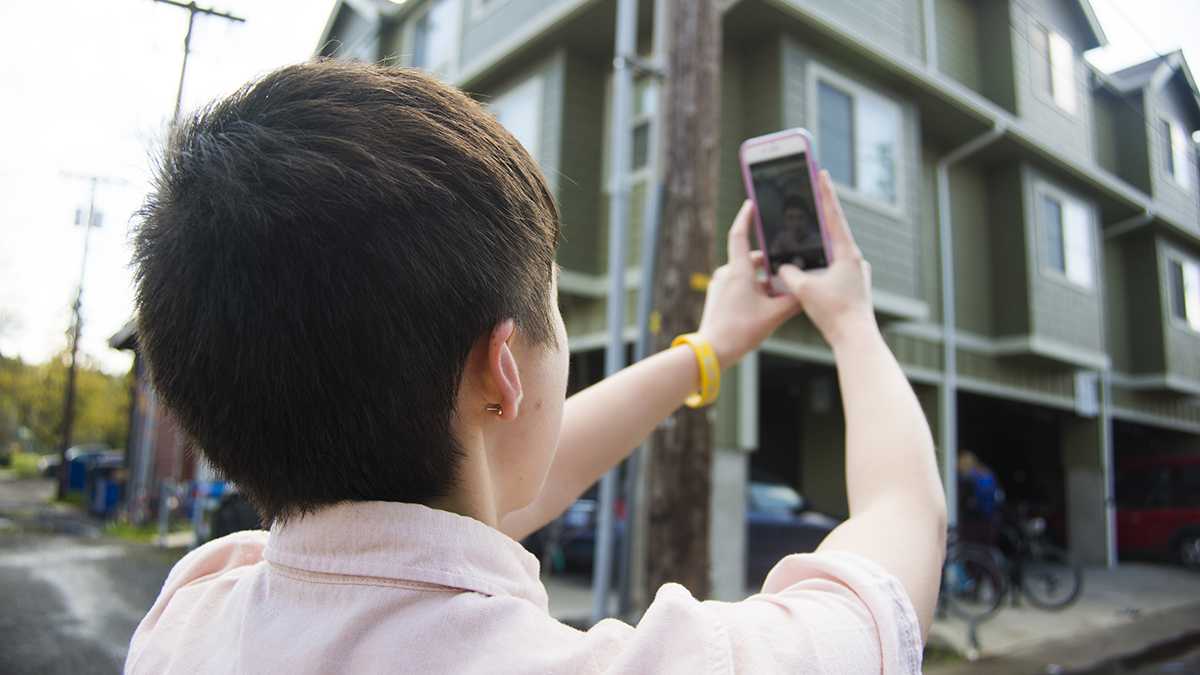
x,y
193,9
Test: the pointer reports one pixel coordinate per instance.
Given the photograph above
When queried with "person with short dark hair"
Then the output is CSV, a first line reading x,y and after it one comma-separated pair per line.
x,y
345,289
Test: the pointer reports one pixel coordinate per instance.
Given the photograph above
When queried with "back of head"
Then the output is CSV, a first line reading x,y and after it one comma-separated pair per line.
x,y
320,253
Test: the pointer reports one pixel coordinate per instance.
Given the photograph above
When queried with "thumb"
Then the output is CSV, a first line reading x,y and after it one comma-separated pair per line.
x,y
794,279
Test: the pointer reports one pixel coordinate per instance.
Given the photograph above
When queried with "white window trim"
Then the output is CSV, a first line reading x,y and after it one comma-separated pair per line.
x,y
410,29
1043,189
537,79
645,173
1182,162
1184,261
1048,93
818,72
482,9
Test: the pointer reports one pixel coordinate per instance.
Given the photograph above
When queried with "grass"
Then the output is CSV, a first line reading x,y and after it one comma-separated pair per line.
x,y
142,534
25,465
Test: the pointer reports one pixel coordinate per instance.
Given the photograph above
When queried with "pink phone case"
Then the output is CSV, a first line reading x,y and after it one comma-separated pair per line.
x,y
813,172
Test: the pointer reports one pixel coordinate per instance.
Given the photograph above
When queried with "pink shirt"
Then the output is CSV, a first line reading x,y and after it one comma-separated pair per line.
x,y
373,587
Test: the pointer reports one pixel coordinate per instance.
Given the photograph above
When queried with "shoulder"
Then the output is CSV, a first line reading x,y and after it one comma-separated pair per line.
x,y
826,612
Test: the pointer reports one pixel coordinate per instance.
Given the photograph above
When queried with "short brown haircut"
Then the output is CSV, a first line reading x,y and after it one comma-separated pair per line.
x,y
320,253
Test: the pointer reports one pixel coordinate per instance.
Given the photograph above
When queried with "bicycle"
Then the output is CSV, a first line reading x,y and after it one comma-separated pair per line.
x,y
1043,572
973,584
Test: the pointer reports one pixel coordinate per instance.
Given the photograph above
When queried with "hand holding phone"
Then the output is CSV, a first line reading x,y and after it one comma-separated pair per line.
x,y
780,174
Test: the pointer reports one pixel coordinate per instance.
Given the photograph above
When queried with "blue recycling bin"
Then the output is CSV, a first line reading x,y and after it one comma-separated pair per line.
x,y
79,460
105,480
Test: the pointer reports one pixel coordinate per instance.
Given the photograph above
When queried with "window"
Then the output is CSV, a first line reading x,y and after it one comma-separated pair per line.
x,y
1184,280
435,36
1059,57
520,111
858,138
645,103
1175,153
1066,238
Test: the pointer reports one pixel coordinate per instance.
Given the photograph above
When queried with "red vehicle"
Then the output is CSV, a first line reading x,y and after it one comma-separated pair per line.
x,y
1158,506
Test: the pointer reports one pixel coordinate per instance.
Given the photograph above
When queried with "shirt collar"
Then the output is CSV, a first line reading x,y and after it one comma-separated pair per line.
x,y
407,542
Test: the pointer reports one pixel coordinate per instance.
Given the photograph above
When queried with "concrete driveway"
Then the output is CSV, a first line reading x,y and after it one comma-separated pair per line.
x,y
72,598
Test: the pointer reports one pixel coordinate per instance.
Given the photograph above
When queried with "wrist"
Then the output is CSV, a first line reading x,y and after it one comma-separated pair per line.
x,y
852,330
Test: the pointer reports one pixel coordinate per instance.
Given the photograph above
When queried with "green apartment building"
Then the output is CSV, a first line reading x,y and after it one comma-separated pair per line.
x,y
1033,224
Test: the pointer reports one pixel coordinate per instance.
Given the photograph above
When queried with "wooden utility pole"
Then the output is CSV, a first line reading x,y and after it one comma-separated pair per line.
x,y
680,463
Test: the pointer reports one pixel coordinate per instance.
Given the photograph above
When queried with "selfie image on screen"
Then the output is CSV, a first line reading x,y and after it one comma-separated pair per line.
x,y
788,211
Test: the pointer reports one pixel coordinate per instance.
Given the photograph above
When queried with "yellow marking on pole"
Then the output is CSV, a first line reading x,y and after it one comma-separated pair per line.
x,y
699,282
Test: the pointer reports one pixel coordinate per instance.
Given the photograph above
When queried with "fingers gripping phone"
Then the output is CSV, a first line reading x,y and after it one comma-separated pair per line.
x,y
780,173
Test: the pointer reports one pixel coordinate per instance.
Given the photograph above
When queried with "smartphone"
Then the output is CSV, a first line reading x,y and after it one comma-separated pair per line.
x,y
781,176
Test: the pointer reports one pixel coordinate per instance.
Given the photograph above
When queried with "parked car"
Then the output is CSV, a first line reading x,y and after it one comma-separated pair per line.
x,y
575,532
48,465
778,522
1158,507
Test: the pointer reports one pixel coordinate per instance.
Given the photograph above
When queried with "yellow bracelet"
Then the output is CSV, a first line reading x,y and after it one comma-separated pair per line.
x,y
710,370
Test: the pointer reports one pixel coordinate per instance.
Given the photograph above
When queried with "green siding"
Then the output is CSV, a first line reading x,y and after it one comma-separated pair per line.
x,y
1022,376
997,65
972,250
579,186
1117,306
888,241
1144,304
480,36
892,24
1173,199
1166,406
958,41
1011,288
1068,133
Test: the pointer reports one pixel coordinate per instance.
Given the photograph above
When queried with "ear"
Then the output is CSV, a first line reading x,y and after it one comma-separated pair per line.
x,y
504,378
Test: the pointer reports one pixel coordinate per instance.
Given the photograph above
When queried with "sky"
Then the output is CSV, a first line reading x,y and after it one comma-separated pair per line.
x,y
88,87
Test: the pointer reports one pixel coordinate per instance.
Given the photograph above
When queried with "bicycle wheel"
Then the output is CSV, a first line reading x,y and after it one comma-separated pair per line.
x,y
972,585
1048,578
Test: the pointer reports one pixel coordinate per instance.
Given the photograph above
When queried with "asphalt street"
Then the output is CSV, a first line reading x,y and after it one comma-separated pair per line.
x,y
71,598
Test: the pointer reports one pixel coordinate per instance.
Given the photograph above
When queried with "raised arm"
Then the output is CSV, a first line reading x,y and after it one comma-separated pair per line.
x,y
605,422
897,507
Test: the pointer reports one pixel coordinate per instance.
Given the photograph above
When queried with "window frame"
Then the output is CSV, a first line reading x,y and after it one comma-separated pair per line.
x,y
1185,322
1176,159
644,173
535,79
1066,200
818,72
410,32
1050,92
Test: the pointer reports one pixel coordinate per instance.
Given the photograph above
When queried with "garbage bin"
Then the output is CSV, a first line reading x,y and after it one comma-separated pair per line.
x,y
106,478
79,460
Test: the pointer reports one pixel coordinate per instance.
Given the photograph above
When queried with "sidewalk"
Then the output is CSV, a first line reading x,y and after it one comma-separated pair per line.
x,y
1124,609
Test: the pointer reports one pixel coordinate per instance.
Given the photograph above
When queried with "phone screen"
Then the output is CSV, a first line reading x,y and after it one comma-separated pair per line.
x,y
783,193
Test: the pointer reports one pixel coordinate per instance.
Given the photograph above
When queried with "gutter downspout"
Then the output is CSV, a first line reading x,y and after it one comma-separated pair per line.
x,y
930,29
948,395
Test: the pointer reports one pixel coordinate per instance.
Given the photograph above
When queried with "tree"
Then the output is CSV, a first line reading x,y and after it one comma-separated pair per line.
x,y
680,463
31,397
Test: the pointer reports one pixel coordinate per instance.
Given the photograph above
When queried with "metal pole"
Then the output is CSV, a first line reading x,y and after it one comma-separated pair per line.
x,y
187,50
618,212
651,219
193,9
948,395
76,329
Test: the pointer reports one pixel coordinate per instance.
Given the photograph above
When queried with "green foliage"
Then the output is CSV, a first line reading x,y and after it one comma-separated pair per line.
x,y
31,404
25,465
